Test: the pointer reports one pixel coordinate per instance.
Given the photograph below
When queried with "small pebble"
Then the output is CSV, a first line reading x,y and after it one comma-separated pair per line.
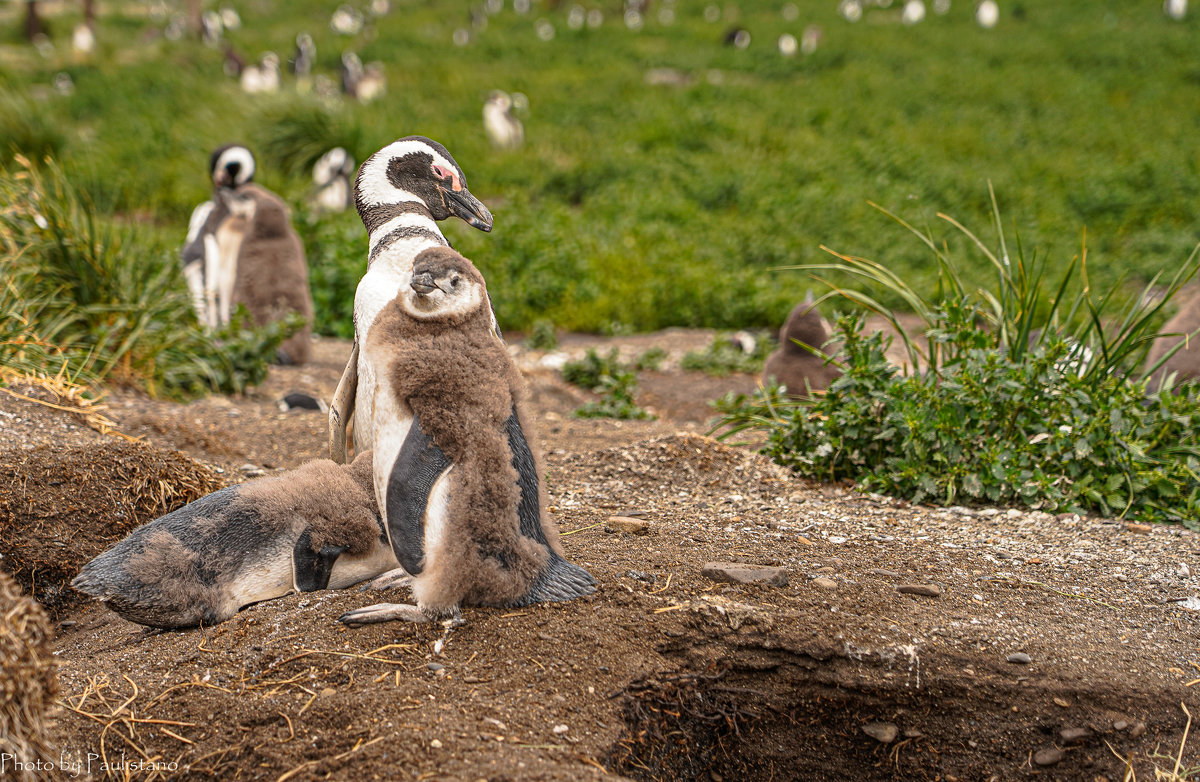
x,y
924,590
1141,529
883,732
435,744
560,729
1138,730
628,525
885,573
1120,725
1071,735
1020,658
825,583
1048,756
741,573
435,666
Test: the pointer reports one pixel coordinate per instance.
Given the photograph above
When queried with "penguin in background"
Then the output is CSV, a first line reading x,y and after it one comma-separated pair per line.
x,y
272,274
1184,326
793,366
315,527
456,476
331,176
209,271
504,130
241,249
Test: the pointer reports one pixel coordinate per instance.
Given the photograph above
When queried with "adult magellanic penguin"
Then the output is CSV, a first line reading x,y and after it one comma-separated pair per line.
x,y
401,192
331,176
315,527
205,266
456,478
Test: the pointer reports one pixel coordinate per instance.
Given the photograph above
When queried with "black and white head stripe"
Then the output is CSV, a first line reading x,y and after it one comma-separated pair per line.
x,y
382,181
231,166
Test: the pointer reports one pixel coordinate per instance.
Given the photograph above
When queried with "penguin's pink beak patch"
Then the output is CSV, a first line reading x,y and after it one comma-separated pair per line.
x,y
441,172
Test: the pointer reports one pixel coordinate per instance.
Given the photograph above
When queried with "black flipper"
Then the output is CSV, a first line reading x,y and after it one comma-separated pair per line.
x,y
559,580
529,511
312,568
418,466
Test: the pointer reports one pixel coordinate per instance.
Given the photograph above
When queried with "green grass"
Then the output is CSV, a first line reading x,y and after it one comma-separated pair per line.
x,y
635,206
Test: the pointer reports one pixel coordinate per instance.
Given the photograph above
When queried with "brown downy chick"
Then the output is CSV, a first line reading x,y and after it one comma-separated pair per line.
x,y
1185,363
455,476
791,365
315,527
272,276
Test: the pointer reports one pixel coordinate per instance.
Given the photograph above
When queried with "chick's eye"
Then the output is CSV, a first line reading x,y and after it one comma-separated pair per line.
x,y
453,282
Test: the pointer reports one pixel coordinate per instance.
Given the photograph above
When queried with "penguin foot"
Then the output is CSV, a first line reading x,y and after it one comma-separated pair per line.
x,y
393,579
383,612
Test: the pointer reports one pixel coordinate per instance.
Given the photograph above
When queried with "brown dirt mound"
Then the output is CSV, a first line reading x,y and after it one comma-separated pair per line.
x,y
27,682
59,507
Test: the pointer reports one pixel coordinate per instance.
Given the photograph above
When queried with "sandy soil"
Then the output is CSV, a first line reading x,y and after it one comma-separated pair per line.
x,y
1049,647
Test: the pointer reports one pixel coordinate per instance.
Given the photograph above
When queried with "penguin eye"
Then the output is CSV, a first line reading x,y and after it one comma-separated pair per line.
x,y
441,173
454,281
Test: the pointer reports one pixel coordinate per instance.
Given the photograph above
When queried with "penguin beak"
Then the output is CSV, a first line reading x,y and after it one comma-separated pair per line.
x,y
466,206
423,284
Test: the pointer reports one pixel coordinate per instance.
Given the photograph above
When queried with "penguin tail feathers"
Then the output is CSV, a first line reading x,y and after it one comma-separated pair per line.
x,y
560,580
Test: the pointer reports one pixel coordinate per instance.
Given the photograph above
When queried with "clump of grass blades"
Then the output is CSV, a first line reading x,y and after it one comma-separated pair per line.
x,y
612,379
294,135
86,298
1028,394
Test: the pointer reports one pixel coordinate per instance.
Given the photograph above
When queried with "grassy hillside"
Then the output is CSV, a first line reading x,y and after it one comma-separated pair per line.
x,y
636,206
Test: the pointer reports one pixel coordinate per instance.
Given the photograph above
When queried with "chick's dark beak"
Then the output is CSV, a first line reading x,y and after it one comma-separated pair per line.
x,y
423,284
466,206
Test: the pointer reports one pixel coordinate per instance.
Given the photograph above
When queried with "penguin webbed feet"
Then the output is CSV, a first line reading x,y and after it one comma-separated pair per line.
x,y
383,612
396,578
403,612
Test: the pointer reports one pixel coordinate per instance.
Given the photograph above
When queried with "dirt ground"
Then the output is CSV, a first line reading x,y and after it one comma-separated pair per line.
x,y
1051,647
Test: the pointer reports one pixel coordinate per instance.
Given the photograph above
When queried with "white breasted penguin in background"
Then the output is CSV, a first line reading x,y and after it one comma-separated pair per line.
x,y
455,468
503,129
331,176
263,77
401,193
315,527
209,272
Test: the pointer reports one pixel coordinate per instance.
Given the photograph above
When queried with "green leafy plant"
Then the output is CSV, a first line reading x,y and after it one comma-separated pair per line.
x,y
1024,394
542,335
724,356
613,380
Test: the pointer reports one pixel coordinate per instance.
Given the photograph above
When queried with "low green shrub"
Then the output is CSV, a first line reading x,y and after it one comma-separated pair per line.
x,y
542,335
612,379
724,356
1025,395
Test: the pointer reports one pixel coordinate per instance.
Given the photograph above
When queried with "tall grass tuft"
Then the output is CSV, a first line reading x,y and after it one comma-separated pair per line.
x,y
87,297
294,135
1028,393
